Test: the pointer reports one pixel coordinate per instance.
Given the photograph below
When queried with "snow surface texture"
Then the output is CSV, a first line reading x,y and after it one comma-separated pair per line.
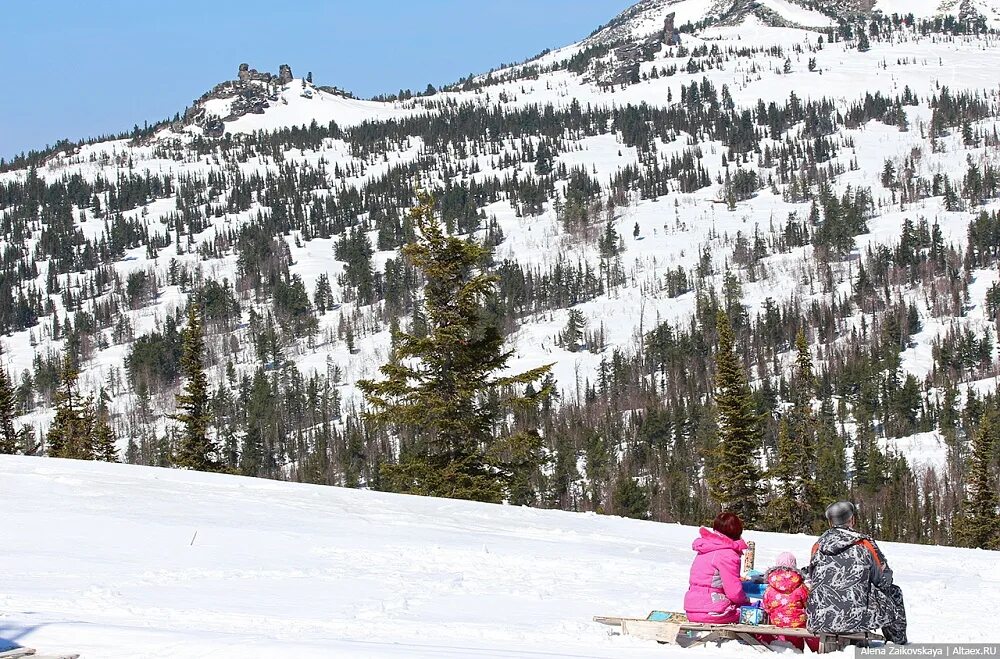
x,y
104,559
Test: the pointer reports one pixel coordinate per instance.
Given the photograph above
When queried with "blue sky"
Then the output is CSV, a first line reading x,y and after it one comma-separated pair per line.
x,y
76,68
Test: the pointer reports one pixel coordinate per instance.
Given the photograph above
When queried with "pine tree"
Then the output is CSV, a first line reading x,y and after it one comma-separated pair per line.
x,y
978,524
104,437
631,499
735,478
863,43
783,510
831,459
197,450
573,334
804,422
71,432
440,392
10,439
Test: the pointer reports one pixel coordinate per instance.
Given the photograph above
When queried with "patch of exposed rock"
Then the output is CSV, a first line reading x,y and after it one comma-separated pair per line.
x,y
251,92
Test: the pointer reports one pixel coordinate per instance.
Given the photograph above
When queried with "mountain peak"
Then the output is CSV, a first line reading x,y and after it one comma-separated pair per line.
x,y
648,17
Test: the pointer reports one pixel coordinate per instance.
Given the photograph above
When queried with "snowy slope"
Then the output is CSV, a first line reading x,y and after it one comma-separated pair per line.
x,y
103,559
990,9
296,108
674,228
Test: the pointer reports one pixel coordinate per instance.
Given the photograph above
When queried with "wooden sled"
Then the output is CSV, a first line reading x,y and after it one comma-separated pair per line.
x,y
676,629
29,653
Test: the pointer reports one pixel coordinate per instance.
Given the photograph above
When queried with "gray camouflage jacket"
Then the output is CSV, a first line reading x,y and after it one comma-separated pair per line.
x,y
848,579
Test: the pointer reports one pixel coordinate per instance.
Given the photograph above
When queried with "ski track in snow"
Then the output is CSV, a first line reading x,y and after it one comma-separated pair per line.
x,y
98,558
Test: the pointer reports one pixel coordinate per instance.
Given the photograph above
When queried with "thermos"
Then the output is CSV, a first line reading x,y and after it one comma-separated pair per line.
x,y
748,559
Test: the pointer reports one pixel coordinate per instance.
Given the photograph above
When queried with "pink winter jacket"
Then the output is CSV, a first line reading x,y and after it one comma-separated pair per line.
x,y
785,597
715,593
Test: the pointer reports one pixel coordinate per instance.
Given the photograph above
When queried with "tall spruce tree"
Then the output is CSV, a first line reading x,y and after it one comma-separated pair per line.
x,y
196,449
784,511
104,437
10,439
573,333
831,458
805,423
796,505
441,394
978,524
735,478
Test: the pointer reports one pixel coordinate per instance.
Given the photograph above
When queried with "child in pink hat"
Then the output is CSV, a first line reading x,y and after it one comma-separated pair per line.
x,y
785,598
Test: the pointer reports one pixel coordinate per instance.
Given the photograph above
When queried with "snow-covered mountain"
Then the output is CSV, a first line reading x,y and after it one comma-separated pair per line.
x,y
648,17
126,562
642,177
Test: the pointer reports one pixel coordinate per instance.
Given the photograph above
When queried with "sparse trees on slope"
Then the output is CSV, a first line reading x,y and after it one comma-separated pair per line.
x,y
735,479
440,392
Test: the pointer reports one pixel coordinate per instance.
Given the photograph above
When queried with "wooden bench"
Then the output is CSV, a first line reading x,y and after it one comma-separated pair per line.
x,y
692,634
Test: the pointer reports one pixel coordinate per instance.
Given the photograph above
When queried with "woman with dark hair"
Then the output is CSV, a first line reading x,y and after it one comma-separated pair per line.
x,y
716,593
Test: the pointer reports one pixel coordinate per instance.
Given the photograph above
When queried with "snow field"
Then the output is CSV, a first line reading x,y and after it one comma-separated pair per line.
x,y
126,562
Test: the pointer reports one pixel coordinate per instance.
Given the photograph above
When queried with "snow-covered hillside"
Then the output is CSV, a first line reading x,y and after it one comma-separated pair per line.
x,y
127,562
630,185
673,229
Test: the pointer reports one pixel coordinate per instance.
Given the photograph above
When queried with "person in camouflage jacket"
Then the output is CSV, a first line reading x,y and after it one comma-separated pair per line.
x,y
851,588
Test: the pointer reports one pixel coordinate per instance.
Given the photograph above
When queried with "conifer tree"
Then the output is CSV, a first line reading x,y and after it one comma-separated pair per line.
x,y
735,477
630,498
784,512
196,450
440,392
572,335
805,422
796,506
10,439
104,437
71,432
863,43
978,525
831,458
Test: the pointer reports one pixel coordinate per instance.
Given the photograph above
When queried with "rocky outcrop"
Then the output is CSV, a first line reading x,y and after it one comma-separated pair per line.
x,y
246,74
671,36
252,92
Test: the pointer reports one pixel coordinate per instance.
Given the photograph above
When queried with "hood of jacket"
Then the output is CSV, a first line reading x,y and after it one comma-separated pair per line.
x,y
710,541
839,538
784,579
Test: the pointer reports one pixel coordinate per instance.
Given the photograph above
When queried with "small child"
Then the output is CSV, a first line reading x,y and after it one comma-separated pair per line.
x,y
785,599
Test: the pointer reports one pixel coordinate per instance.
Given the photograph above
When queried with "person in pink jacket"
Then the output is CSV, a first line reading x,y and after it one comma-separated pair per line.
x,y
715,594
